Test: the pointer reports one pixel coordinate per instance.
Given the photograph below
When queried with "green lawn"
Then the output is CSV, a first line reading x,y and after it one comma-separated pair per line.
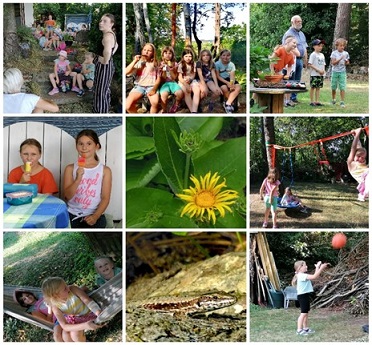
x,y
356,100
330,206
279,325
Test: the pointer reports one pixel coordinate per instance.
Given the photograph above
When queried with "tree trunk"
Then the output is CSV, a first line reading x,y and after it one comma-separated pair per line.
x,y
269,137
194,32
342,25
11,43
187,15
217,28
174,25
139,37
147,22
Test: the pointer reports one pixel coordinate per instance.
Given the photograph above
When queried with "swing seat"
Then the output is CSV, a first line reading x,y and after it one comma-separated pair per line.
x,y
293,204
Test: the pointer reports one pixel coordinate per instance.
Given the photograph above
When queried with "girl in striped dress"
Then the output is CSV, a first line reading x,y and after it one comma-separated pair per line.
x,y
104,63
74,310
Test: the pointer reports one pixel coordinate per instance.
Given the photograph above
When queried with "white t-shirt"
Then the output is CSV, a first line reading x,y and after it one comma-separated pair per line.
x,y
19,103
318,61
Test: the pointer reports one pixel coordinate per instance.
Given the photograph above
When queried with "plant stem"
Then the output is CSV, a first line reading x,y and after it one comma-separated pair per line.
x,y
187,170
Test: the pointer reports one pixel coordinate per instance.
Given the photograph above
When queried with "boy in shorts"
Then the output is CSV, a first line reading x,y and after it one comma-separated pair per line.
x,y
317,70
339,59
86,75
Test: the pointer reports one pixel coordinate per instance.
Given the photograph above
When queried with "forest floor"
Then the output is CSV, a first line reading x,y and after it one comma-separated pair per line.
x,y
279,325
329,206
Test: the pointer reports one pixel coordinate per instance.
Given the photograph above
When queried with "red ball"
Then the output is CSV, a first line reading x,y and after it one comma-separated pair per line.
x,y
339,241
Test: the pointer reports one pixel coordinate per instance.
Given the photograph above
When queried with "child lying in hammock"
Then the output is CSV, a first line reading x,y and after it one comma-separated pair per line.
x,y
37,307
358,168
289,199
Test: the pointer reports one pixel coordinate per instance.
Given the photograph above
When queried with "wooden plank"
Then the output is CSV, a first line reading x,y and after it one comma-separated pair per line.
x,y
17,134
264,255
5,154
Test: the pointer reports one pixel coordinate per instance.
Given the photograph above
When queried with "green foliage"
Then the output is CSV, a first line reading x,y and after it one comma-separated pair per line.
x,y
259,60
157,169
269,22
24,34
291,131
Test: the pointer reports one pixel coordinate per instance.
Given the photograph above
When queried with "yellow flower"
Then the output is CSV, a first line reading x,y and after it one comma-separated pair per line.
x,y
206,196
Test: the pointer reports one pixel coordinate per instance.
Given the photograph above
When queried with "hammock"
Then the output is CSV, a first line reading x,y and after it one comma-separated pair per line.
x,y
108,296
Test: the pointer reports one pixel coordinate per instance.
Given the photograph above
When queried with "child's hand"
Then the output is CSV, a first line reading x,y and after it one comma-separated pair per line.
x,y
137,58
26,177
317,265
93,326
98,312
91,220
79,172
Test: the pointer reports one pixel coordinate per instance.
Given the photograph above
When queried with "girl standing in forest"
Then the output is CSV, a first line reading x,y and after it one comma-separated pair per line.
x,y
74,310
87,184
146,82
302,281
206,74
269,193
225,70
104,62
168,74
187,81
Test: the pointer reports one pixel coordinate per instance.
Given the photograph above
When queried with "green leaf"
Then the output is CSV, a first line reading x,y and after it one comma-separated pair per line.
x,y
141,172
229,160
207,127
139,146
232,221
155,208
171,160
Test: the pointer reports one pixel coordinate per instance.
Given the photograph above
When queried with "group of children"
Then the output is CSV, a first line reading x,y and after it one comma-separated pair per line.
x,y
284,60
358,169
69,307
86,183
63,74
188,79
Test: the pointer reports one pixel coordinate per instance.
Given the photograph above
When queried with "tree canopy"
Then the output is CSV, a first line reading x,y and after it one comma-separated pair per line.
x,y
269,21
159,16
291,131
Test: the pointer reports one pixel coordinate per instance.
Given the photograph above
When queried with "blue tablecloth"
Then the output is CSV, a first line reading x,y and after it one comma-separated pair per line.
x,y
45,211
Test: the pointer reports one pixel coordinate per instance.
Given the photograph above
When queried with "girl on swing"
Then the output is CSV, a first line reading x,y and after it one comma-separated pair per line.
x,y
358,168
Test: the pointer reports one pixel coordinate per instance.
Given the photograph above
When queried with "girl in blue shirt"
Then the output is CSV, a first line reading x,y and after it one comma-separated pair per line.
x,y
302,280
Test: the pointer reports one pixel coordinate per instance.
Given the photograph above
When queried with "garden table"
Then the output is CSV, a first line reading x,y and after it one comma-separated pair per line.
x,y
272,98
45,211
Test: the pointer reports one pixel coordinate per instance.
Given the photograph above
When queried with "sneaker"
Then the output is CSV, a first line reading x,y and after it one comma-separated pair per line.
x,y
75,89
333,101
54,91
81,93
228,108
318,104
308,331
264,225
342,104
174,108
290,104
302,332
63,87
275,227
361,197
210,106
295,101
313,104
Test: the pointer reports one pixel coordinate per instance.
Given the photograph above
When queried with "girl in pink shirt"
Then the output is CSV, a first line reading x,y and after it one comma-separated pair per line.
x,y
269,193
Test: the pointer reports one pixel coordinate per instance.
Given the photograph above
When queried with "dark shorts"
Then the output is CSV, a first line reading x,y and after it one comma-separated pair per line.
x,y
227,79
304,301
80,223
316,82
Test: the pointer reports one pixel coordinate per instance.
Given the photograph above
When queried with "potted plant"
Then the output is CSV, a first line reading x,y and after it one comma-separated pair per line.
x,y
68,39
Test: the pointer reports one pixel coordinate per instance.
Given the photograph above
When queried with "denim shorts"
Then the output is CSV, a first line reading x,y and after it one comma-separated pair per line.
x,y
143,90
